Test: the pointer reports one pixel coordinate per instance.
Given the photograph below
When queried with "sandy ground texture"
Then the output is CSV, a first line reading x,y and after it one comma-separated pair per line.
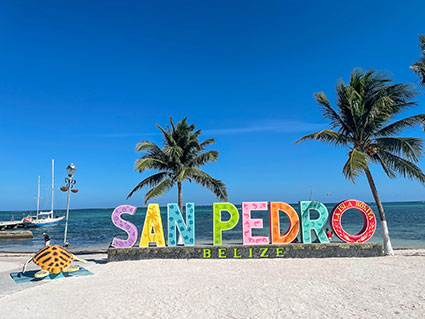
x,y
382,287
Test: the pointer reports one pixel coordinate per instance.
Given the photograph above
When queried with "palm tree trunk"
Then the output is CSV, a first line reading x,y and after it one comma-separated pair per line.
x,y
388,249
179,186
180,199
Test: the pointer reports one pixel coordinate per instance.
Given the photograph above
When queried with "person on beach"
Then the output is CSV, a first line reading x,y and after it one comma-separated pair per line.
x,y
46,239
328,234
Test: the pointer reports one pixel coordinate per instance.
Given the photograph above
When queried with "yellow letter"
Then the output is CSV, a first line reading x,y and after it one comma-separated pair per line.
x,y
152,229
279,252
222,253
207,253
236,253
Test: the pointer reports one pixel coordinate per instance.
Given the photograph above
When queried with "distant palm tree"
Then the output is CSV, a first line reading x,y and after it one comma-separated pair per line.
x,y
419,67
178,160
361,123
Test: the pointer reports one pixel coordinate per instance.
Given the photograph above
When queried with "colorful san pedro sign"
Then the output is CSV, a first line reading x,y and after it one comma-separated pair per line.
x,y
153,232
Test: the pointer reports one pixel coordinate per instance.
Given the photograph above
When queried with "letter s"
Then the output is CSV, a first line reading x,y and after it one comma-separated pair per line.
x,y
125,225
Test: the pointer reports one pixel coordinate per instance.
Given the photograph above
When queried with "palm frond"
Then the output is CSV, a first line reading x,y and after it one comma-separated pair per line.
x,y
422,42
344,109
327,136
403,167
210,156
149,181
401,95
419,66
407,147
355,165
377,159
173,151
173,127
207,142
160,189
144,146
167,136
402,124
329,113
419,69
143,164
216,186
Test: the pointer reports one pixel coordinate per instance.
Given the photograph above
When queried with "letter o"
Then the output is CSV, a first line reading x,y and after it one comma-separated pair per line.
x,y
369,221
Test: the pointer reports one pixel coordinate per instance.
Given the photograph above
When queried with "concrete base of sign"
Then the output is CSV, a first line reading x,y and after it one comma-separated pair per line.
x,y
247,252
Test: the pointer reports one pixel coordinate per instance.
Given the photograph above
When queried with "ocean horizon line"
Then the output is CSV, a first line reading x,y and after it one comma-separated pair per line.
x,y
198,205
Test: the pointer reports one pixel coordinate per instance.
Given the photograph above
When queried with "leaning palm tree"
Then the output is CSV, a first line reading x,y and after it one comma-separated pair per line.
x,y
419,67
361,123
178,160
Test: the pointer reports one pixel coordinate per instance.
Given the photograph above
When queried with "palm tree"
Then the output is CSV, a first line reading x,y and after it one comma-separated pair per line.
x,y
361,123
178,160
419,67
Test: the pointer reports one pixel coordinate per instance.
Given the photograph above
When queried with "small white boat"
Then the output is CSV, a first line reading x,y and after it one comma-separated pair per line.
x,y
48,220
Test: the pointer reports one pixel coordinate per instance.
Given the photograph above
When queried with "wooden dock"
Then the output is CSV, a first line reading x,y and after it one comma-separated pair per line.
x,y
11,225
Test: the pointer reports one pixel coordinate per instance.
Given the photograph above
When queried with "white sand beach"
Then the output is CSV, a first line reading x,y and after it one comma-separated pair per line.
x,y
301,288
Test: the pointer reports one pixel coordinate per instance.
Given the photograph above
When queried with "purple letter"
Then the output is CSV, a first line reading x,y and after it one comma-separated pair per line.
x,y
126,226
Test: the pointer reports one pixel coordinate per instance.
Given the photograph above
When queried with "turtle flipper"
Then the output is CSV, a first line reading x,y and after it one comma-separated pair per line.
x,y
80,259
71,268
41,274
26,264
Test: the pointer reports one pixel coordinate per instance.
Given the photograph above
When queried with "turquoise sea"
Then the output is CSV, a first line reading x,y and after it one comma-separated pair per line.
x,y
93,228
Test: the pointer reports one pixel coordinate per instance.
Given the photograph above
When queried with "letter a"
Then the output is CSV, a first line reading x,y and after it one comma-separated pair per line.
x,y
152,229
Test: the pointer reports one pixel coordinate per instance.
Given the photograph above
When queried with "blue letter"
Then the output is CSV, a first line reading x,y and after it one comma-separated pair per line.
x,y
187,230
316,225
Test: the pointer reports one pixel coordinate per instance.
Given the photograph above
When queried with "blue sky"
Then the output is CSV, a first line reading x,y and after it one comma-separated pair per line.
x,y
84,81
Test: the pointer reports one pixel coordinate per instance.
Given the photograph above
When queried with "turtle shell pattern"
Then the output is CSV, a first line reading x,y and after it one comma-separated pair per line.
x,y
53,258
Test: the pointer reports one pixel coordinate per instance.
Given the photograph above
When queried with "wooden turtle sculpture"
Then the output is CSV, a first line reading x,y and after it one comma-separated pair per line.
x,y
53,259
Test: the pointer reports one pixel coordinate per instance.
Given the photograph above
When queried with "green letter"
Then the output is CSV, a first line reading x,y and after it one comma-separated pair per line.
x,y
264,251
316,225
279,252
207,253
218,224
220,253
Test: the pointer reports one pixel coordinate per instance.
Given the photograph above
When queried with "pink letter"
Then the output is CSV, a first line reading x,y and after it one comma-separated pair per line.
x,y
248,223
125,225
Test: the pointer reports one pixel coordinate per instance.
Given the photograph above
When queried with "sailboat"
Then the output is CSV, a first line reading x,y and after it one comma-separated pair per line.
x,y
45,218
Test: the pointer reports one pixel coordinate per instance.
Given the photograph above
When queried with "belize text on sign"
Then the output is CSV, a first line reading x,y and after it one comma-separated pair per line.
x,y
153,232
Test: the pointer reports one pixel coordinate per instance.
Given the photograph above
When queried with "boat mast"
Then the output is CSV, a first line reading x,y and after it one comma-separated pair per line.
x,y
53,185
38,196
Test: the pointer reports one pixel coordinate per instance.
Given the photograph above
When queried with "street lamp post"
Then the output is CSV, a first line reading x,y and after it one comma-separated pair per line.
x,y
68,188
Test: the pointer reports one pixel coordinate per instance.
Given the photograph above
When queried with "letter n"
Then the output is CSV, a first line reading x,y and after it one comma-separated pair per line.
x,y
175,220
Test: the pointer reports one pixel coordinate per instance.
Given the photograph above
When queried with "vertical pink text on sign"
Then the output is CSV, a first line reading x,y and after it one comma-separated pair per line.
x,y
128,227
248,223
